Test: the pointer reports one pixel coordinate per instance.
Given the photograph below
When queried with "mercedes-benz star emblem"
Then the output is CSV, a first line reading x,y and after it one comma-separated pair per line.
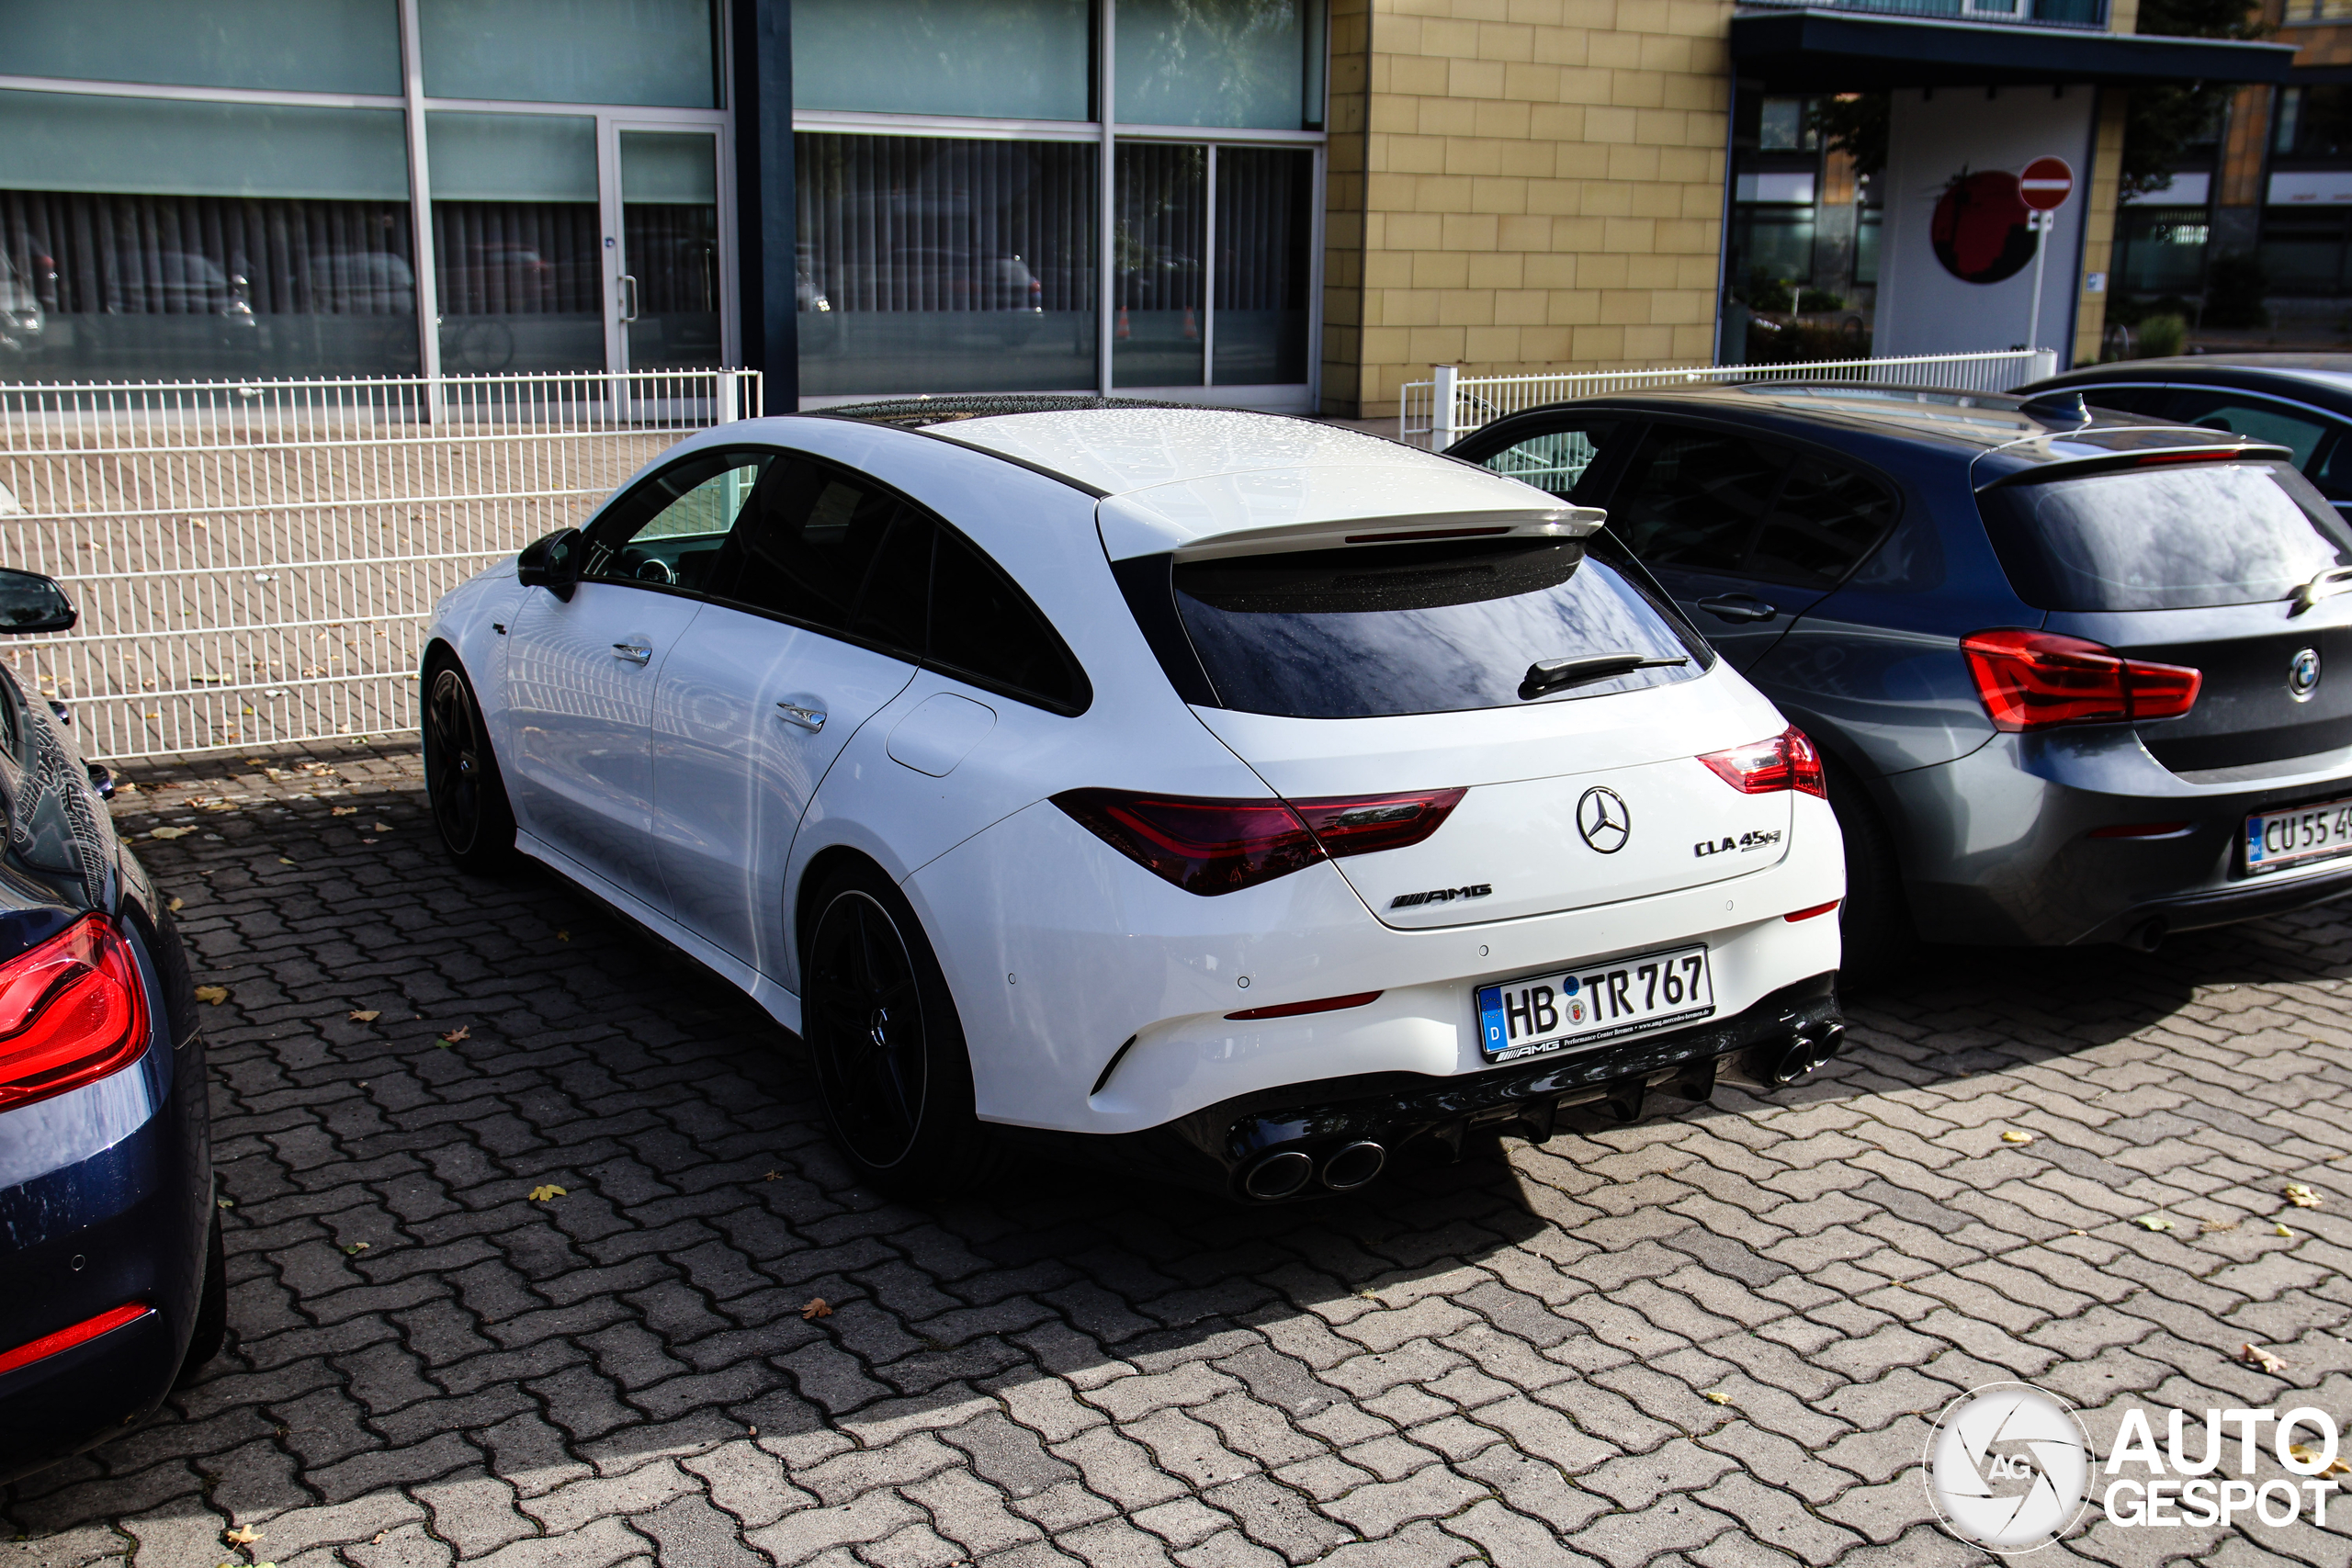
x,y
2302,675
1604,821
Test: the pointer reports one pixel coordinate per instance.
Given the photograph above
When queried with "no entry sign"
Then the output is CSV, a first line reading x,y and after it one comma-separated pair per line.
x,y
2046,184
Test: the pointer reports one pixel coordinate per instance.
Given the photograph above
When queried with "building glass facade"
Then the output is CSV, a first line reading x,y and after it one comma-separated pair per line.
x,y
249,187
989,195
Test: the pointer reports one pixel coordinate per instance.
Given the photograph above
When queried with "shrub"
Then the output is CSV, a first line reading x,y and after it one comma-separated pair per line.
x,y
2160,336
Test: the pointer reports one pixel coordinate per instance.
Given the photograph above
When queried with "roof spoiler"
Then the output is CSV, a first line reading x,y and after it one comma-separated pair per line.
x,y
2143,457
1547,523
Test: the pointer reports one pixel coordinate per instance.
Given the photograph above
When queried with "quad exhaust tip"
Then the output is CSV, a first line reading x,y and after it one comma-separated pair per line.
x,y
1279,1175
1353,1166
1805,1053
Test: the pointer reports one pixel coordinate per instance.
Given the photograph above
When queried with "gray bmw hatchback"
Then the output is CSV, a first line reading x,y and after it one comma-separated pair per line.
x,y
2075,672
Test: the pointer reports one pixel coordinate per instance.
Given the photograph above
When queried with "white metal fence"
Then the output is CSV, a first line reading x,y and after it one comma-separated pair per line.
x,y
254,561
1439,412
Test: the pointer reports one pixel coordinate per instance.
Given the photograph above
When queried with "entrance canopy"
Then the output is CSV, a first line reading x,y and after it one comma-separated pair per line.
x,y
1842,51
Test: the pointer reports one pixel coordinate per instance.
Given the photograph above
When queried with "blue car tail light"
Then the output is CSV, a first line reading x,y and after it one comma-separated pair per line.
x,y
71,1012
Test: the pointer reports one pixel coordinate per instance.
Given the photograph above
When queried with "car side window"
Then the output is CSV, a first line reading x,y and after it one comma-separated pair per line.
x,y
1558,459
983,626
808,544
669,530
2245,415
1695,499
1826,519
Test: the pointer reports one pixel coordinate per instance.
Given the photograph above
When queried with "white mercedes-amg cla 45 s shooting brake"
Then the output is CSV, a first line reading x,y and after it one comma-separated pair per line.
x,y
1217,795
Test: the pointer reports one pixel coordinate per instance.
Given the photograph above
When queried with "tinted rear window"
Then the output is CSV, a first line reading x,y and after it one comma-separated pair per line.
x,y
1419,629
2168,538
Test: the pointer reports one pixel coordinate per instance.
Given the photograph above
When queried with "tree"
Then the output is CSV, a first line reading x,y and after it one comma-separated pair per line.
x,y
2163,122
1855,124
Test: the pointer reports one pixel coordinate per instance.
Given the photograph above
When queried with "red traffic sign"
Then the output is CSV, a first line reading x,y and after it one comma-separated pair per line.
x,y
2046,184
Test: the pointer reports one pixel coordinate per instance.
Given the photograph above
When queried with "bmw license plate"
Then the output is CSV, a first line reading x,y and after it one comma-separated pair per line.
x,y
2276,839
1539,1013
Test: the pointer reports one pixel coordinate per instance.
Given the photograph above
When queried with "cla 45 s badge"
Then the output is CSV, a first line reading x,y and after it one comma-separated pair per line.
x,y
1727,844
1439,896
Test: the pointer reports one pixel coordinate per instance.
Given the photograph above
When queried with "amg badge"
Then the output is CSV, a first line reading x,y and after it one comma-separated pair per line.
x,y
1441,896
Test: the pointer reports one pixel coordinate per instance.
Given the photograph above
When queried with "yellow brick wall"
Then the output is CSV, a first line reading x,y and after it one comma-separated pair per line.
x,y
1521,186
2098,225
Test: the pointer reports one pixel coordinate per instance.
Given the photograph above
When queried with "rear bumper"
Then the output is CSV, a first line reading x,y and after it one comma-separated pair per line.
x,y
105,1200
1218,1147
1998,847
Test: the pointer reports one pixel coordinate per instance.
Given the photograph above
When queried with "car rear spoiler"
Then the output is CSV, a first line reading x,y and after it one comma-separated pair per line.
x,y
1332,508
2165,450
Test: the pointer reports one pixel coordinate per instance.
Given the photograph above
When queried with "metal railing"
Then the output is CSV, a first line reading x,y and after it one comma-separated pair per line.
x,y
256,561
1441,410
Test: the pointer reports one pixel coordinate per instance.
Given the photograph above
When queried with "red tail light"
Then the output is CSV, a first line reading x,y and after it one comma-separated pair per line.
x,y
1210,847
82,1333
1788,760
2034,680
72,1010
1299,1009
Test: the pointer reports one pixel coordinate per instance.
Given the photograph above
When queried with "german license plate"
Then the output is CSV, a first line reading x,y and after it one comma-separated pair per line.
x,y
2276,839
1584,1006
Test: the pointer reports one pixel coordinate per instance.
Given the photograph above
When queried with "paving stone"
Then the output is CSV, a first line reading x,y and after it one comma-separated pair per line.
x,y
1508,1359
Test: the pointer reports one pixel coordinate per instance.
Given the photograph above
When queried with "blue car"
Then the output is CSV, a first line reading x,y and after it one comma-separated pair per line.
x,y
2074,674
109,1241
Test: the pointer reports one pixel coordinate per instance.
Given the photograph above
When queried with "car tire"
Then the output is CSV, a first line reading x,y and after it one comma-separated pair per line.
x,y
461,778
1874,922
892,1069
212,1307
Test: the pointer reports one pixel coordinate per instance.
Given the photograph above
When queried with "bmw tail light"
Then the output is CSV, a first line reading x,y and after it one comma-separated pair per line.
x,y
2030,679
1210,847
72,1010
1787,761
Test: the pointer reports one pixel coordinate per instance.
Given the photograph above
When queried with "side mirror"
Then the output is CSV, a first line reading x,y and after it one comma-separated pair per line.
x,y
31,603
552,563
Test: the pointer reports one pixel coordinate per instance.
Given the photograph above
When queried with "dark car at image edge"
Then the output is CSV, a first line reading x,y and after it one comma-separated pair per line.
x,y
110,1239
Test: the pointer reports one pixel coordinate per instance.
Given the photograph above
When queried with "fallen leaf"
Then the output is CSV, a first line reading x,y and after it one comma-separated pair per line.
x,y
228,1203
169,832
346,811
563,936
2154,1222
547,1194
2304,1453
377,1539
457,1037
2278,1229
1713,1397
380,828
216,995
176,905
283,861
2210,1226
772,1176
243,1534
815,1308
365,1015
2301,1196
357,1246
2014,1136
2255,1356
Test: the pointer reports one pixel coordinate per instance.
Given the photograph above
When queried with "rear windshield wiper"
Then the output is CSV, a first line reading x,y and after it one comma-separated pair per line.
x,y
2326,584
1551,674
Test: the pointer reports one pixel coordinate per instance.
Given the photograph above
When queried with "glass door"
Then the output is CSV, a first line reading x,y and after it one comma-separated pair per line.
x,y
667,297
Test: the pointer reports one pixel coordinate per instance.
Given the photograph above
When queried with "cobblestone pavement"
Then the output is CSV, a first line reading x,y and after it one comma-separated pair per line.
x,y
1714,1339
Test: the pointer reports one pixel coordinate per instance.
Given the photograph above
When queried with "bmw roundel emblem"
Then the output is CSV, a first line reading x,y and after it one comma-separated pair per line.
x,y
2302,675
1602,819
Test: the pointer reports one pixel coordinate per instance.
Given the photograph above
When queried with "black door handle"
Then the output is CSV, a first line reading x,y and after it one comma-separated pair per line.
x,y
1738,607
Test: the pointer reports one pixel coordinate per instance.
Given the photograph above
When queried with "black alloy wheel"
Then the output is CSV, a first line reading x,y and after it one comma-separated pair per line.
x,y
888,1051
468,798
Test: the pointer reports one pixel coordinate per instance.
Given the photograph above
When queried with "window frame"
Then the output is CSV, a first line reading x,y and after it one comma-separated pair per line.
x,y
614,502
